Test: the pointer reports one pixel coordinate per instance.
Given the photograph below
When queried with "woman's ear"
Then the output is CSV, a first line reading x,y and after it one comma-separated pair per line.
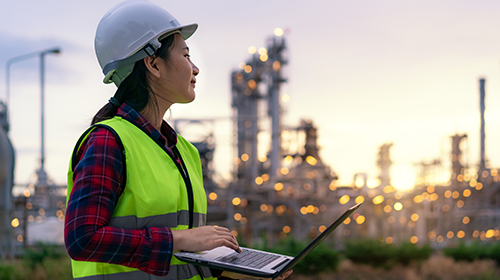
x,y
152,64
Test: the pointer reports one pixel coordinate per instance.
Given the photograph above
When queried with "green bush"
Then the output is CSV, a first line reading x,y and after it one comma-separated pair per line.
x,y
371,252
321,259
379,254
474,251
35,256
50,268
58,268
6,272
409,252
493,252
466,252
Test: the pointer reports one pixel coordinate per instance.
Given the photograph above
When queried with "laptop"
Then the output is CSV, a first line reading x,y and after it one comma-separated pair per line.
x,y
255,262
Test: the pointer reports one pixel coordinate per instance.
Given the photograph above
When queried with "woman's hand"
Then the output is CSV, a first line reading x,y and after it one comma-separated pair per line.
x,y
204,238
234,275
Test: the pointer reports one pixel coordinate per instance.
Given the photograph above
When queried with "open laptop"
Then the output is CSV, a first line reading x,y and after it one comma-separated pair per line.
x,y
255,262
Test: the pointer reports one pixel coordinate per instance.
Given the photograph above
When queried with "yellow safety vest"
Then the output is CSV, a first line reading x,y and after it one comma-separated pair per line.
x,y
156,194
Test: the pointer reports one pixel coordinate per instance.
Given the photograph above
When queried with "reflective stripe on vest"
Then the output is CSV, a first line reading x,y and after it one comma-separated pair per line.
x,y
155,195
171,220
176,272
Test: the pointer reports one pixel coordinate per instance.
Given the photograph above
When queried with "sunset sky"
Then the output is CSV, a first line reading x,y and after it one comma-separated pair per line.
x,y
365,72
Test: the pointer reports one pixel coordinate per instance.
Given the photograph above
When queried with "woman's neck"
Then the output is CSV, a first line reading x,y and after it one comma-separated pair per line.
x,y
154,115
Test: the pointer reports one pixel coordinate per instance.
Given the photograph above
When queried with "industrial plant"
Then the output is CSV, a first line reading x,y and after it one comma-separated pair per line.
x,y
288,190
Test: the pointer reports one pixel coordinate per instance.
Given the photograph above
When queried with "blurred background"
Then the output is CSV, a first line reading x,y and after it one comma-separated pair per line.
x,y
303,109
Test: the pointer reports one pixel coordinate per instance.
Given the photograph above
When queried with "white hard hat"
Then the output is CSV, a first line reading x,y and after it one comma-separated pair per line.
x,y
129,32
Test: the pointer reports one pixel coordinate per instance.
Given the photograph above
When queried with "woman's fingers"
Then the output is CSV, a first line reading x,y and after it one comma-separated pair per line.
x,y
286,274
234,275
233,244
204,238
228,236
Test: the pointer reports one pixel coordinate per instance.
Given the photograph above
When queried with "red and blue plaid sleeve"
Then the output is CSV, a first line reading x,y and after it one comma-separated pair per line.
x,y
97,185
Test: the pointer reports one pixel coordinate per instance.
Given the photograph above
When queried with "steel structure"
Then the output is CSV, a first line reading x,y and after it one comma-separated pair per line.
x,y
7,162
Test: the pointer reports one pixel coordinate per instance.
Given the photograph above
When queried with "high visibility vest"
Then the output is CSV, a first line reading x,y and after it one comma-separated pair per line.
x,y
155,195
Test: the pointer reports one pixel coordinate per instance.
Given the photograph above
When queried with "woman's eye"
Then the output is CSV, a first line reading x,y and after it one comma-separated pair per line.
x,y
188,56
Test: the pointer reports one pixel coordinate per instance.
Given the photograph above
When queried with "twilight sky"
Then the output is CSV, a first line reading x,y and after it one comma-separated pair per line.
x,y
365,72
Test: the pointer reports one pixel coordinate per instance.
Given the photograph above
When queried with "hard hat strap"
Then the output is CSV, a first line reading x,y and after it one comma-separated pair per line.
x,y
148,50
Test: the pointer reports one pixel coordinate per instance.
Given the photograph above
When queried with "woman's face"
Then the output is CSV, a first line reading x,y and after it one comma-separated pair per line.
x,y
178,74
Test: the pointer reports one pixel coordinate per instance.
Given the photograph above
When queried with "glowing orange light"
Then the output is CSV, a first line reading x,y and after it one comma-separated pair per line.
x,y
430,189
378,199
447,194
284,170
414,239
467,193
236,201
344,199
278,32
398,206
252,84
359,199
15,222
311,160
360,219
252,50
276,65
414,217
212,196
259,181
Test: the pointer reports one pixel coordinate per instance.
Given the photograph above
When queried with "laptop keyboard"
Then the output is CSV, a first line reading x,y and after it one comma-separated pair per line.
x,y
249,258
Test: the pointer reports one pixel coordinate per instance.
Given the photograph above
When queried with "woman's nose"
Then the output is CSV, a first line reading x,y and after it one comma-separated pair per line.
x,y
196,70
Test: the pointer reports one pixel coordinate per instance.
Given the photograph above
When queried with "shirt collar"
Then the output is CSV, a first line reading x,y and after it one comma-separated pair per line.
x,y
167,135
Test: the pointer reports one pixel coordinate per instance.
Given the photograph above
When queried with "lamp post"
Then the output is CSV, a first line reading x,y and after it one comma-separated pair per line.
x,y
41,174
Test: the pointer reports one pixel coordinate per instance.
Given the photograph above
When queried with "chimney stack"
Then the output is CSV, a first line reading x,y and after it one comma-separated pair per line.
x,y
482,163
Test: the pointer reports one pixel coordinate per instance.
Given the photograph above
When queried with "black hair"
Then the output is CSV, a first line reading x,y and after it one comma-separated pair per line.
x,y
135,90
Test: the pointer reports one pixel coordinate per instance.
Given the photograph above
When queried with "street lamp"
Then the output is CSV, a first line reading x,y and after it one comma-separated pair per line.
x,y
41,174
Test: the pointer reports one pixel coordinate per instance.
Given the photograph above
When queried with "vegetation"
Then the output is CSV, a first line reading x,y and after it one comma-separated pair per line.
x,y
35,256
362,259
371,252
380,254
41,262
322,259
474,251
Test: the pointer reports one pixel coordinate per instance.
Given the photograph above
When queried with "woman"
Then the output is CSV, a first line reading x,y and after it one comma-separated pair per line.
x,y
135,187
